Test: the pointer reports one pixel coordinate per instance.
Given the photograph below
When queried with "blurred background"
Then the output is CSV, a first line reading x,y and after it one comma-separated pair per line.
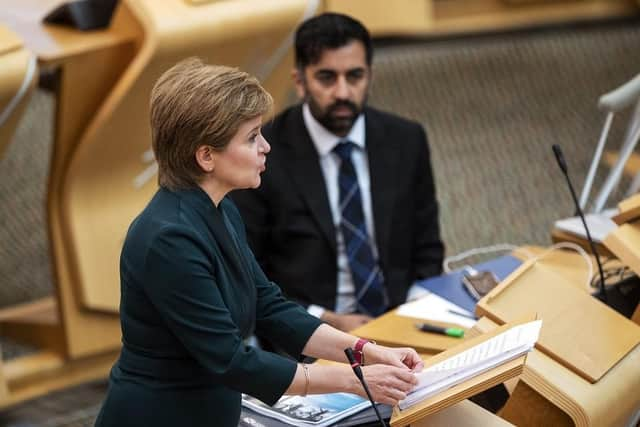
x,y
494,82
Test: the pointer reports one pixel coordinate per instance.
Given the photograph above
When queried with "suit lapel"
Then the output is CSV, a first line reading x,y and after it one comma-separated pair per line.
x,y
382,170
307,175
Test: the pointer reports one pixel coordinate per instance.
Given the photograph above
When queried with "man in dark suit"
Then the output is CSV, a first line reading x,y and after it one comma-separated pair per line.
x,y
346,218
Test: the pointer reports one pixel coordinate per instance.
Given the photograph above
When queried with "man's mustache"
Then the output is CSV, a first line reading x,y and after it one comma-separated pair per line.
x,y
350,105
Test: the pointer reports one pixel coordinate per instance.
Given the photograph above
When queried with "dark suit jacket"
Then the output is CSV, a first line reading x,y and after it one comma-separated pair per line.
x,y
191,291
289,222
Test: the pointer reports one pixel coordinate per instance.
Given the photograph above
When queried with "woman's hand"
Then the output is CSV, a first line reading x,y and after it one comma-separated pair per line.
x,y
402,357
387,384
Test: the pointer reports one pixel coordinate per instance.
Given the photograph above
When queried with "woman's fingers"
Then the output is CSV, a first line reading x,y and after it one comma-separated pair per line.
x,y
391,397
389,384
412,360
400,357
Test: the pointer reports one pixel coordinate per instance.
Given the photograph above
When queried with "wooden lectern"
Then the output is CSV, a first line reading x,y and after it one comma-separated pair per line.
x,y
451,396
102,170
585,370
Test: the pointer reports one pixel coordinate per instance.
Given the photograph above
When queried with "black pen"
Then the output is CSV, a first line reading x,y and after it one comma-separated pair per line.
x,y
451,332
459,313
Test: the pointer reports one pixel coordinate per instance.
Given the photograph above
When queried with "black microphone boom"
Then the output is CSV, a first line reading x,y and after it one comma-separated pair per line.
x,y
563,166
358,371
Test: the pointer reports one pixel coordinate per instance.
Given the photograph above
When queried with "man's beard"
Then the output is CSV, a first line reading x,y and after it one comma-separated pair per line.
x,y
338,125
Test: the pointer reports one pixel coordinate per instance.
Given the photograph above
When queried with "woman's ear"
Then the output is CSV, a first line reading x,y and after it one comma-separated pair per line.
x,y
205,156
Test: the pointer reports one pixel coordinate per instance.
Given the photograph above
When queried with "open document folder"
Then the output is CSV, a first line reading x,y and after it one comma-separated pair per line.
x,y
316,410
462,366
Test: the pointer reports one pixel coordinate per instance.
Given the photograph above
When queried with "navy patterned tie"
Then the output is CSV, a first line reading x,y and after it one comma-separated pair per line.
x,y
367,277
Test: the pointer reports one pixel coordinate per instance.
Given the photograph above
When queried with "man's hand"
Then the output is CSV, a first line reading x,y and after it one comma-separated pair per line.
x,y
345,322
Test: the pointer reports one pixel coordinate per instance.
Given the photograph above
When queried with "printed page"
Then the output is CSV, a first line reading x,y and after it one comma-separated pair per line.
x,y
434,307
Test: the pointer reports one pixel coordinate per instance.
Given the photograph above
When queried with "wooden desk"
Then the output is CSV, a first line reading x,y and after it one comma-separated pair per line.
x,y
549,393
399,331
571,264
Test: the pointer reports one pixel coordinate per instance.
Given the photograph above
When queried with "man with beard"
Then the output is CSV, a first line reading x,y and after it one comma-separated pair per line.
x,y
346,218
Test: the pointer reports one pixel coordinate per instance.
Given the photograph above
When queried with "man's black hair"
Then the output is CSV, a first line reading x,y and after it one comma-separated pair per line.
x,y
329,31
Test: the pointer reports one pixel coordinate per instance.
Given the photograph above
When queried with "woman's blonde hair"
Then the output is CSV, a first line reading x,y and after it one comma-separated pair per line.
x,y
194,104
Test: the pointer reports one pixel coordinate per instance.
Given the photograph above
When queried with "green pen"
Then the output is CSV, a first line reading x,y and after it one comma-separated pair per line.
x,y
452,332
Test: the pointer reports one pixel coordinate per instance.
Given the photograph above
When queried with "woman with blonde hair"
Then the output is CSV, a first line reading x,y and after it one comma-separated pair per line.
x,y
191,290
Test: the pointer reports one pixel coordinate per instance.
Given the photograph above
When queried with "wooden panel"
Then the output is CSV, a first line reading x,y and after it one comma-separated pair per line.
x,y
624,242
36,323
636,315
14,64
397,331
527,408
4,390
629,210
53,44
39,311
9,41
78,101
578,331
380,18
45,372
463,414
461,16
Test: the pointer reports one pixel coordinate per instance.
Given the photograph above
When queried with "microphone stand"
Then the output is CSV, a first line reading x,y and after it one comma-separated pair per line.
x,y
358,371
563,167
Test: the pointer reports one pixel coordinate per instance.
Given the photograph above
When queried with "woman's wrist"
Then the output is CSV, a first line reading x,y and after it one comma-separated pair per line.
x,y
359,350
351,382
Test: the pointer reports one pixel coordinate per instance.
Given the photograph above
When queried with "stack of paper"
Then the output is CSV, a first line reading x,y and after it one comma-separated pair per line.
x,y
433,307
488,354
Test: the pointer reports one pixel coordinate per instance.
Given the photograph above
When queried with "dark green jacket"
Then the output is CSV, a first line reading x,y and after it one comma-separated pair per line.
x,y
191,292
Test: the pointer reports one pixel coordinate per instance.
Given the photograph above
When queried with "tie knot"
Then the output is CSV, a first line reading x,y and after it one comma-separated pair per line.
x,y
343,150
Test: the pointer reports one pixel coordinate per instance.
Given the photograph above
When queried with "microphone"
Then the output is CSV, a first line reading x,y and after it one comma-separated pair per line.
x,y
358,371
557,151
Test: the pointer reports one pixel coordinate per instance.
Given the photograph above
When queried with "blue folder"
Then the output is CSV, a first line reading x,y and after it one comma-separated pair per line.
x,y
449,286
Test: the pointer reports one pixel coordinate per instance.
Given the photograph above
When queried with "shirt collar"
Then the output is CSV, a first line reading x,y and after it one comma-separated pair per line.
x,y
324,140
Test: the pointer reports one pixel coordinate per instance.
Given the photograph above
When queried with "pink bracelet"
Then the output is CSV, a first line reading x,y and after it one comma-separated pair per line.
x,y
358,352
